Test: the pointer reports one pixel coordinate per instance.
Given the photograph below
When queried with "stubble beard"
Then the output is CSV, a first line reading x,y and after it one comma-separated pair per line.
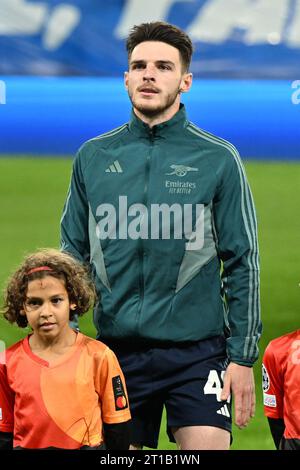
x,y
151,112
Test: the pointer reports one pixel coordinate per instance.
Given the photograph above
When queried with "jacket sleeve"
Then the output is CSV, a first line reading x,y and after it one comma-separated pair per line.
x,y
237,245
75,217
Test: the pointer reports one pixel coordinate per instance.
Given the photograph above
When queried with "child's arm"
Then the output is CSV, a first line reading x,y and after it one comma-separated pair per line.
x,y
7,401
277,429
6,440
114,403
117,436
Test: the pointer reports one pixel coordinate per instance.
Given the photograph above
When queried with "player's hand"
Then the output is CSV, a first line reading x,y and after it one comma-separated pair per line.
x,y
240,381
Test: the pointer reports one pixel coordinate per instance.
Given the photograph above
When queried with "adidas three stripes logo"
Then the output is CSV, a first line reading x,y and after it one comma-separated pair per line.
x,y
224,411
115,167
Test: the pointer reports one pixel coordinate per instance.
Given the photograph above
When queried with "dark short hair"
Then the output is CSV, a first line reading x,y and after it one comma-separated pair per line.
x,y
164,32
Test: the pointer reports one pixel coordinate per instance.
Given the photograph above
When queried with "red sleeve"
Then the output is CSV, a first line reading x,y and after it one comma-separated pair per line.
x,y
7,400
272,383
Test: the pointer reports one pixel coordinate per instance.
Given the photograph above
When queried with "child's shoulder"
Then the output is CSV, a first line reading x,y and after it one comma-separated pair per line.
x,y
11,351
16,346
93,345
285,340
279,348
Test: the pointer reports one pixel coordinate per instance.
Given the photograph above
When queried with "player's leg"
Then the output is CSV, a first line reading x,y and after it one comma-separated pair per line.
x,y
196,416
135,447
146,413
201,438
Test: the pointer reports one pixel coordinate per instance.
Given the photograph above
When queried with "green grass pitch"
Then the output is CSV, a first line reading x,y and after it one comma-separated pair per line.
x,y
32,193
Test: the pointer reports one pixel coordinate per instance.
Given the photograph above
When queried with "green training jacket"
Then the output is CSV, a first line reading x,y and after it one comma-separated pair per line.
x,y
159,213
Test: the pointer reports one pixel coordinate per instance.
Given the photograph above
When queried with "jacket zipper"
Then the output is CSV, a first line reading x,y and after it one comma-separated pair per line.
x,y
141,248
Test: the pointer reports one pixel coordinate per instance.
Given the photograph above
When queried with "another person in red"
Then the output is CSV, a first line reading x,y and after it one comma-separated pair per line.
x,y
281,388
59,389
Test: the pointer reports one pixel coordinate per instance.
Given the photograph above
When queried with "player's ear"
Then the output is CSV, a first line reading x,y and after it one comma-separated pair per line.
x,y
126,80
73,307
186,82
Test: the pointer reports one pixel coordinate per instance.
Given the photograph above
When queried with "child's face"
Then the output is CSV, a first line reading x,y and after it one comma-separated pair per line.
x,y
47,307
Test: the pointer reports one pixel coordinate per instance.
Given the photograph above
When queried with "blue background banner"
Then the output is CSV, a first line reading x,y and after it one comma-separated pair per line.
x,y
46,116
62,63
233,38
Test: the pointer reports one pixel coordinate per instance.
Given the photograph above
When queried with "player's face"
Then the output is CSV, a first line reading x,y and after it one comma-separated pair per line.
x,y
47,307
155,79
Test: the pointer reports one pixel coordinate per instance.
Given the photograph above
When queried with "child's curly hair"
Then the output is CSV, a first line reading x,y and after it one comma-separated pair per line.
x,y
71,272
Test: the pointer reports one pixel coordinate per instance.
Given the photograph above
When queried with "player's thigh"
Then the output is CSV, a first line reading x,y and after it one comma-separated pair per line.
x,y
201,438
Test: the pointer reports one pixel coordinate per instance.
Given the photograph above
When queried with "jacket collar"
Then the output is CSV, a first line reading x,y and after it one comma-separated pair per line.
x,y
140,128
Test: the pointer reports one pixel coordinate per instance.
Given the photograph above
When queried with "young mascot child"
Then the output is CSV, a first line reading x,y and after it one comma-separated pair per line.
x,y
281,385
59,389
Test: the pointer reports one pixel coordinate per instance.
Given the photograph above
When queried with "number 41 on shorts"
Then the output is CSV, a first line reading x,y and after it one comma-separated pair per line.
x,y
214,384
